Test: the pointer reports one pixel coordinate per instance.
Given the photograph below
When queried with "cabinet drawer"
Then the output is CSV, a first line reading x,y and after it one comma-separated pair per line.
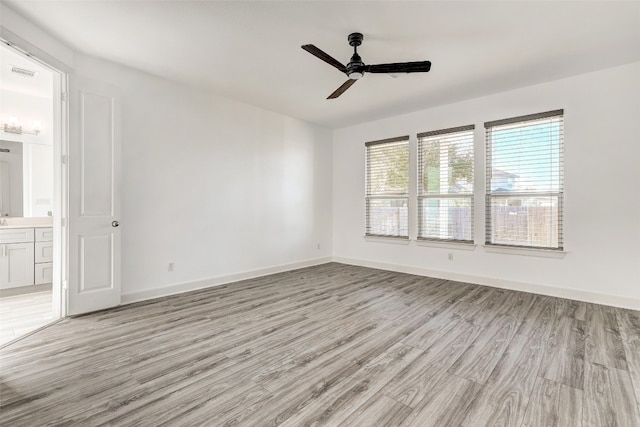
x,y
44,252
44,234
16,235
44,273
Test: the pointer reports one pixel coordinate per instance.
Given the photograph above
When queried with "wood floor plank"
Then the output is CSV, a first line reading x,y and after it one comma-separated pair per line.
x,y
230,407
414,382
554,404
563,359
479,360
330,345
445,404
338,405
539,319
608,398
363,342
293,398
629,322
297,364
604,343
426,335
122,393
571,308
378,411
517,304
132,401
480,306
505,396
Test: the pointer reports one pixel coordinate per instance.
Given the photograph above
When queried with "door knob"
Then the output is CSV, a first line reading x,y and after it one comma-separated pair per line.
x,y
115,223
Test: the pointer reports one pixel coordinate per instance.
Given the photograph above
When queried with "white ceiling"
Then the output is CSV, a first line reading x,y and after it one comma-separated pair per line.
x,y
251,51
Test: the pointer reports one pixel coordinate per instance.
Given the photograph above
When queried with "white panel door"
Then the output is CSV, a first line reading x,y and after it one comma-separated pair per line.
x,y
94,199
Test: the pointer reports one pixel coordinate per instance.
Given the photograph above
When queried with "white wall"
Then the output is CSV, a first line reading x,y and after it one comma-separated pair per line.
x,y
220,188
602,207
215,186
38,149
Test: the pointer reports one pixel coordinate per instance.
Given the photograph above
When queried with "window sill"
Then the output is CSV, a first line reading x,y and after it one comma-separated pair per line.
x,y
382,239
543,253
447,245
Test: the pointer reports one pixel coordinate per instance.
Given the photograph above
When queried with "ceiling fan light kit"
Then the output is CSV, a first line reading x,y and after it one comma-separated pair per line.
x,y
355,69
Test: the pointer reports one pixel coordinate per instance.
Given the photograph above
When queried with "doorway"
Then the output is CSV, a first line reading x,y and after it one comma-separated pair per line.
x,y
31,194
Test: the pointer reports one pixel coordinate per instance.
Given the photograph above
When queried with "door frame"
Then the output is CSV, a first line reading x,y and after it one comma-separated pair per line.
x,y
60,129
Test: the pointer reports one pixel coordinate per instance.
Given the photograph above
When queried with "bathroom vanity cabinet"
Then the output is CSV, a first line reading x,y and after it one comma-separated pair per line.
x,y
26,256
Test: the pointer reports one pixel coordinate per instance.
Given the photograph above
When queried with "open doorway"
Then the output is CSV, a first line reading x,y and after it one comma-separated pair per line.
x,y
31,193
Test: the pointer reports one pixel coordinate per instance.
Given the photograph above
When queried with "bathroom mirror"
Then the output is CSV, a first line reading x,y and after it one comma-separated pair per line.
x,y
26,179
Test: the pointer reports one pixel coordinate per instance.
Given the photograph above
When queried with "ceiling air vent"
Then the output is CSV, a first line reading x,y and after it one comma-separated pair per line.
x,y
23,72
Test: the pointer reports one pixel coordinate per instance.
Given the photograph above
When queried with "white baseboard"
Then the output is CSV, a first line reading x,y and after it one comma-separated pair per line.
x,y
177,288
569,293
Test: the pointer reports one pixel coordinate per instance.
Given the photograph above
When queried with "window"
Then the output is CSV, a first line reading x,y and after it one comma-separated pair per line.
x,y
524,181
445,184
387,187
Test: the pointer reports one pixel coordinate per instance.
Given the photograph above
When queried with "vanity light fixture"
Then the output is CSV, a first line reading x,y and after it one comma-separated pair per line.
x,y
14,127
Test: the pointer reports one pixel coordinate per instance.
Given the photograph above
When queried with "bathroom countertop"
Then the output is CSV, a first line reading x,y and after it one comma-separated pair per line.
x,y
8,227
16,222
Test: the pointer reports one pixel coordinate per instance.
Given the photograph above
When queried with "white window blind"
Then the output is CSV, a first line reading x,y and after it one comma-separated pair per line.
x,y
387,187
445,184
524,191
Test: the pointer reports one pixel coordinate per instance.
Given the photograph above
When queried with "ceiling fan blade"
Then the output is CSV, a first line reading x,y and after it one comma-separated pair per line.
x,y
346,85
324,56
400,67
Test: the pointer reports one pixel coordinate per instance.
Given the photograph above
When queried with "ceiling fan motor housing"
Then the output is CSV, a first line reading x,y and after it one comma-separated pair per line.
x,y
355,39
355,66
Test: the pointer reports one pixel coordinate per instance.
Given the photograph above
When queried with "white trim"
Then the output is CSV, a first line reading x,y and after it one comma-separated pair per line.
x,y
36,53
383,239
569,293
544,253
60,129
446,245
178,288
60,194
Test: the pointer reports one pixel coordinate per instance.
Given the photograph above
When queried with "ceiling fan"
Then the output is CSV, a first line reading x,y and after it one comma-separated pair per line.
x,y
355,69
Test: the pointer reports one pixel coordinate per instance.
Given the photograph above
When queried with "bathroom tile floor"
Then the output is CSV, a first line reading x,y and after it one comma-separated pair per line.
x,y
21,314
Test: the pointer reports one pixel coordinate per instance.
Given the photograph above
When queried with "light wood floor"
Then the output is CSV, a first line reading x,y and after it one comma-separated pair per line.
x,y
331,345
24,313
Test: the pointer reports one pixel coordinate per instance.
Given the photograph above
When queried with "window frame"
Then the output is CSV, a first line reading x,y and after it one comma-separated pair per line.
x,y
491,195
424,195
400,196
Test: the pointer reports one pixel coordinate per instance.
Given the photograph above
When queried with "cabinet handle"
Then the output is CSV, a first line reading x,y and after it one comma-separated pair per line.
x,y
4,251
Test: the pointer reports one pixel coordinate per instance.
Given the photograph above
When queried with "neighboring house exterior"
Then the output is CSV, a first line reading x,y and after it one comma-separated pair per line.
x,y
503,181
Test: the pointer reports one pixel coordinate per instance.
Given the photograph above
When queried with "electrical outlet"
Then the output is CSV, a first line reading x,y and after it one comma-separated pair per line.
x,y
450,257
170,267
